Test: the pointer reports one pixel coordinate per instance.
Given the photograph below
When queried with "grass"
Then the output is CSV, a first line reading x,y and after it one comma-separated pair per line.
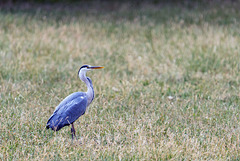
x,y
169,89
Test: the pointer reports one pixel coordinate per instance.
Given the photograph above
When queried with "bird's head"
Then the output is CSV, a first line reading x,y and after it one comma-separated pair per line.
x,y
82,71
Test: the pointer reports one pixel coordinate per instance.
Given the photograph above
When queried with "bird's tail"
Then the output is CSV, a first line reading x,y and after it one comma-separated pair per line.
x,y
47,126
55,123
49,123
52,126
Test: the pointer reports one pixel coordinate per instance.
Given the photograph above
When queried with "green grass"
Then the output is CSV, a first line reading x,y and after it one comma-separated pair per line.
x,y
150,52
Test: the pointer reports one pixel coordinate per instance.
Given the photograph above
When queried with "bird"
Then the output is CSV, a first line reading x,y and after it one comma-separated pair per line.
x,y
74,105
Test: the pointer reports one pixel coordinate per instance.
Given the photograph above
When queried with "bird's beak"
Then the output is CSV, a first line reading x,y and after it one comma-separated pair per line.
x,y
96,67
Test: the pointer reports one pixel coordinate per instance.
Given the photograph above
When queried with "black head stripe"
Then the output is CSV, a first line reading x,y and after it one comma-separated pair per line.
x,y
84,66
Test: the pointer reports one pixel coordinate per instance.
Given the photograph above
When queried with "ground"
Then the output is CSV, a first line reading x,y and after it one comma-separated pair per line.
x,y
169,89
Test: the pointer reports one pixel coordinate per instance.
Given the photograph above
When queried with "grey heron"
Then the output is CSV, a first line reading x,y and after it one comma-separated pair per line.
x,y
74,105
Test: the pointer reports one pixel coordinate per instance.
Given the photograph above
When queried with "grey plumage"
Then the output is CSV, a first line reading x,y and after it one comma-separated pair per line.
x,y
68,111
74,105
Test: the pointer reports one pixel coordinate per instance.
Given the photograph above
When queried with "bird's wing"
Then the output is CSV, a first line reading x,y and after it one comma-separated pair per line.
x,y
71,99
69,110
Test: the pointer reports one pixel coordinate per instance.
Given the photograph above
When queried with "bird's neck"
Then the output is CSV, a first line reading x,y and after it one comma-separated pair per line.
x,y
90,94
90,91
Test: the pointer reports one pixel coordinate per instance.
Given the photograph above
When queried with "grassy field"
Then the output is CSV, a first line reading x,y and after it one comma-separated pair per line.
x,y
170,88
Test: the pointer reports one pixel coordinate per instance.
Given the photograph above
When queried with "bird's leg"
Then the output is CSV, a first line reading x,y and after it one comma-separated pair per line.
x,y
73,131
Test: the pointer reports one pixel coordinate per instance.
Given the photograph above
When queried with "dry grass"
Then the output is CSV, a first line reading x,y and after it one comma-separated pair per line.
x,y
169,89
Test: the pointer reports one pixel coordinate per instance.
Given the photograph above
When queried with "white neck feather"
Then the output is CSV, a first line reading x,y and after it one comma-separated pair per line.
x,y
90,92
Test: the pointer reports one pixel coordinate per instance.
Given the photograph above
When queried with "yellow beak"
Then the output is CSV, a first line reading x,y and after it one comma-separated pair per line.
x,y
96,67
